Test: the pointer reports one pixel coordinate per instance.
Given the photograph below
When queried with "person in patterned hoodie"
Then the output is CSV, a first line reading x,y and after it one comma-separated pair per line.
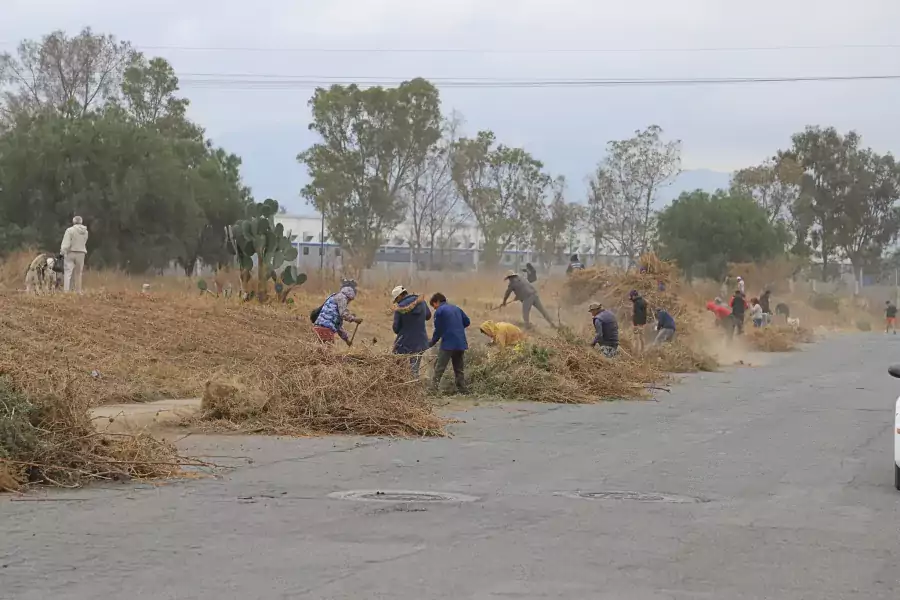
x,y
332,315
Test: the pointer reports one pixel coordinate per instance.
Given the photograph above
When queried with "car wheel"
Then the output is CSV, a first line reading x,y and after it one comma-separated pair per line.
x,y
896,476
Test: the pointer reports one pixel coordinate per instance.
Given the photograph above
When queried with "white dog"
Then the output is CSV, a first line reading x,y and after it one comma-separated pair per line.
x,y
41,275
793,322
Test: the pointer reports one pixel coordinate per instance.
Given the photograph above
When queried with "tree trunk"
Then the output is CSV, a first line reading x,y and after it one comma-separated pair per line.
x,y
491,253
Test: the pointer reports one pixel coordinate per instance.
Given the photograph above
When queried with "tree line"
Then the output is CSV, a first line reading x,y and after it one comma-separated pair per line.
x,y
89,125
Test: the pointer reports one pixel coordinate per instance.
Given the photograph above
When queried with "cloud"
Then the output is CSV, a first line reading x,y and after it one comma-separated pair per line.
x,y
722,127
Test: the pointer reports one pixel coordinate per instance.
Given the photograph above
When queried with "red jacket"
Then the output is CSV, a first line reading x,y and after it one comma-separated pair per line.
x,y
721,312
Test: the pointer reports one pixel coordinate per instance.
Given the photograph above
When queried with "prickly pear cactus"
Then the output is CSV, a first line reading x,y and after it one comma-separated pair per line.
x,y
258,242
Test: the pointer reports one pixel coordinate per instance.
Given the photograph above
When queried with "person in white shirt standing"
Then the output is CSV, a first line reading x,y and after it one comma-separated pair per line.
x,y
74,249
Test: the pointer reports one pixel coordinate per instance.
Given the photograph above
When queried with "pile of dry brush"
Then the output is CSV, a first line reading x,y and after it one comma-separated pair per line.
x,y
658,283
313,389
777,338
51,439
130,347
561,370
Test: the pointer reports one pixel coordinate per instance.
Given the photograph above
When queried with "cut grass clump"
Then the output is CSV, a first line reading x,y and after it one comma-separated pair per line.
x,y
679,356
770,339
557,370
778,338
315,390
52,440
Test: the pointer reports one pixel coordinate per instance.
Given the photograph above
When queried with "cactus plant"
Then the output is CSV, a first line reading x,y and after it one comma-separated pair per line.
x,y
261,243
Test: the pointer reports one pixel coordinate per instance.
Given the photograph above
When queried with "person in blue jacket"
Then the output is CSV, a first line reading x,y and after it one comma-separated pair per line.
x,y
450,323
665,327
410,314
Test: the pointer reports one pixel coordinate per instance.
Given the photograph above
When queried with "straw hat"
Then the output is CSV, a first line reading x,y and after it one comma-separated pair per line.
x,y
395,293
511,274
594,306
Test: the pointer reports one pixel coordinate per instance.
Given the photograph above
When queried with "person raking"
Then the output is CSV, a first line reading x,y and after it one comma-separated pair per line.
x,y
410,314
738,311
450,324
638,318
574,265
764,303
756,312
665,327
526,294
890,317
331,316
606,329
723,315
530,273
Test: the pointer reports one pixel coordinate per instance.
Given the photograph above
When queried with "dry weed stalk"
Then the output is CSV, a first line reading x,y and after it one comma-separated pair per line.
x,y
51,439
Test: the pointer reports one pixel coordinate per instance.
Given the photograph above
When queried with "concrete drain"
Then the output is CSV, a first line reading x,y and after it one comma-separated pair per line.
x,y
395,496
635,497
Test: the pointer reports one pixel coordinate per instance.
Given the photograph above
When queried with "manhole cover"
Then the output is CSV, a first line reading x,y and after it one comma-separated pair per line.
x,y
400,496
635,496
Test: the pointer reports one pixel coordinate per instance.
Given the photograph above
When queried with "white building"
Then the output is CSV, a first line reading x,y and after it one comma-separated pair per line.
x,y
461,252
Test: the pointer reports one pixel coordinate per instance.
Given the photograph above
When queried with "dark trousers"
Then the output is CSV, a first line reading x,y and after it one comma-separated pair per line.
x,y
534,301
738,324
444,358
415,361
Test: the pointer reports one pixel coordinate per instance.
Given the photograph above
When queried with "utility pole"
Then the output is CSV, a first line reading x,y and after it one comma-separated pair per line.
x,y
322,246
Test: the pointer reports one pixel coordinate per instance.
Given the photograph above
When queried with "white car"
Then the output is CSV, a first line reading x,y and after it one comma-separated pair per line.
x,y
895,371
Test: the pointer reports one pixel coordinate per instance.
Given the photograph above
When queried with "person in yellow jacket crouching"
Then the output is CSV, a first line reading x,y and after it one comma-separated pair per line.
x,y
502,334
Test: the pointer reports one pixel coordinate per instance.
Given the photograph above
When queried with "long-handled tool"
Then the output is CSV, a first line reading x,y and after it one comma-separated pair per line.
x,y
352,337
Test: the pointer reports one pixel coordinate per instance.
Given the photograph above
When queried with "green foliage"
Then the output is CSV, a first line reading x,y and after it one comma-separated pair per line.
x,y
259,242
512,374
118,151
704,232
774,185
372,140
503,187
847,205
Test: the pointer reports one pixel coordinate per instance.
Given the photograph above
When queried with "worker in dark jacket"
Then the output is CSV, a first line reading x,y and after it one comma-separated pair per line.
x,y
450,323
410,314
527,295
738,310
607,329
530,273
665,327
764,304
574,265
638,318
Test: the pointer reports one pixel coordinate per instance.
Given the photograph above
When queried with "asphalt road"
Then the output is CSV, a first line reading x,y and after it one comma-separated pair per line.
x,y
781,481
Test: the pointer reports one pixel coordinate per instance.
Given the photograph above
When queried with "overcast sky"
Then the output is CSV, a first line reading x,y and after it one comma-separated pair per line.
x,y
723,127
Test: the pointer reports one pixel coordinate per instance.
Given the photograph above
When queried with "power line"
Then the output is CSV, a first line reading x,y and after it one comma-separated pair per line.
x,y
496,50
505,50
289,82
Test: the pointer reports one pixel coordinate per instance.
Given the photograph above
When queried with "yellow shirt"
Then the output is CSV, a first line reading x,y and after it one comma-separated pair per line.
x,y
503,334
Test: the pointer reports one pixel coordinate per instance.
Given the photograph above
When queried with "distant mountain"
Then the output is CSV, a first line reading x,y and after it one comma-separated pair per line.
x,y
696,179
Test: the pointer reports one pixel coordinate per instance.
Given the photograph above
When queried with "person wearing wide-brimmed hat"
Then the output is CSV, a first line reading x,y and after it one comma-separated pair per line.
x,y
527,295
410,314
607,329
